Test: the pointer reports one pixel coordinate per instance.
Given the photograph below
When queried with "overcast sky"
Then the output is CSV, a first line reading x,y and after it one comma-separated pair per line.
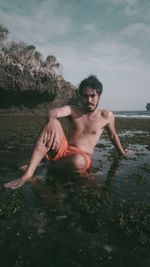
x,y
108,38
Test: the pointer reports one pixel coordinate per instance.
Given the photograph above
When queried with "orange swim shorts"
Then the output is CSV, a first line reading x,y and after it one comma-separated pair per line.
x,y
66,150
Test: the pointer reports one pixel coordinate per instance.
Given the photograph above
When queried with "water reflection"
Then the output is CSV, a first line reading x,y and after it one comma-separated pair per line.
x,y
101,219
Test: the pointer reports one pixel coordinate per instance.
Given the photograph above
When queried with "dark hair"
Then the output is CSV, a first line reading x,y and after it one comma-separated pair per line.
x,y
91,82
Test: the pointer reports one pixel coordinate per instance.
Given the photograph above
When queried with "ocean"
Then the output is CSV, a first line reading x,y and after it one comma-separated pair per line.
x,y
132,114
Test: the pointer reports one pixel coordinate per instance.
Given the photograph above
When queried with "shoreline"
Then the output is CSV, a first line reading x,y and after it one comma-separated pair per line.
x,y
122,123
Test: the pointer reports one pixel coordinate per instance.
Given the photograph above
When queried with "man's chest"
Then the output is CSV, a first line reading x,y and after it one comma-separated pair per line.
x,y
89,125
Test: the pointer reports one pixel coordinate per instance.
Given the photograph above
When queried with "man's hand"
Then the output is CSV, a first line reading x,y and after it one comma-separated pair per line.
x,y
15,183
128,152
51,135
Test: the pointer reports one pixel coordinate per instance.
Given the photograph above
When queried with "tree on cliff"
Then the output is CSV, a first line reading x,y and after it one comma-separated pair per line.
x,y
25,75
53,64
3,34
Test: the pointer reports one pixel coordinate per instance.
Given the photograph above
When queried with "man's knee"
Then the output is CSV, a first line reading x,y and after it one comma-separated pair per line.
x,y
78,161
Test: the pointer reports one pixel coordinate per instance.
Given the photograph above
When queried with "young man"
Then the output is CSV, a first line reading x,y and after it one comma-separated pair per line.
x,y
88,123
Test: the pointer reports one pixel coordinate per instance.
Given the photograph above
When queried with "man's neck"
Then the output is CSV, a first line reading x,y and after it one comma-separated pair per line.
x,y
90,114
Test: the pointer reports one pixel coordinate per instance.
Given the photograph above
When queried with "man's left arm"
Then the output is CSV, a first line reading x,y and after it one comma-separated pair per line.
x,y
111,130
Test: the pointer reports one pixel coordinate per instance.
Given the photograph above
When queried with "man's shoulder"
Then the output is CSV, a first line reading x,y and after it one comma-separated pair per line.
x,y
68,106
75,107
74,110
107,114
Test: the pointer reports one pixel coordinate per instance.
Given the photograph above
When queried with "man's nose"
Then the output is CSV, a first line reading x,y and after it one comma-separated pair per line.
x,y
89,99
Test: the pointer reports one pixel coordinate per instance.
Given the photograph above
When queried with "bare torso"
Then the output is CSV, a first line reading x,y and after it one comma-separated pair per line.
x,y
86,129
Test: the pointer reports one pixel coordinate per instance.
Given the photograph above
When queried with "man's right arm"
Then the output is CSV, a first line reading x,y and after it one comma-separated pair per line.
x,y
59,112
51,135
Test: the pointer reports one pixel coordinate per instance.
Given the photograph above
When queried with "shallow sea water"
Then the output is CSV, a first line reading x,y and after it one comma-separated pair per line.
x,y
101,219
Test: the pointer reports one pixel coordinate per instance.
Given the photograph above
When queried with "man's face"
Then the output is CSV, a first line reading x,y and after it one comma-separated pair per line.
x,y
89,99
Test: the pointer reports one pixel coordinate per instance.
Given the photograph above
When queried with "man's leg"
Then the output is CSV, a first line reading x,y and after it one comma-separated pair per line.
x,y
75,163
39,152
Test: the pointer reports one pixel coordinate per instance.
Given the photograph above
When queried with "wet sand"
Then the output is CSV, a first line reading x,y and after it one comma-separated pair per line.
x,y
102,219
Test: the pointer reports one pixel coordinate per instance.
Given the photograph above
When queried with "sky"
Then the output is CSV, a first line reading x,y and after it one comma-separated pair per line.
x,y
107,38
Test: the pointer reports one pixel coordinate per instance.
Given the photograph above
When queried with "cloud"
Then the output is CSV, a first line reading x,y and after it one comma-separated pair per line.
x,y
90,27
137,29
101,57
39,26
132,8
130,11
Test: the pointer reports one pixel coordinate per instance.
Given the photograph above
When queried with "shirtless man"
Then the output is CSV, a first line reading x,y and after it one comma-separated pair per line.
x,y
88,123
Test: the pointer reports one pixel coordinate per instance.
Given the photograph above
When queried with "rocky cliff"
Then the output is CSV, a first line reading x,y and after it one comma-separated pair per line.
x,y
148,106
27,81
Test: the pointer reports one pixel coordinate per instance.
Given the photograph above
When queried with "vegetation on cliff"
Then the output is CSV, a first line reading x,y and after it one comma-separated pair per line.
x,y
28,80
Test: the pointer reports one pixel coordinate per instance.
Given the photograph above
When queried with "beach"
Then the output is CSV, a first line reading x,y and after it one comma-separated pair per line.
x,y
101,219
